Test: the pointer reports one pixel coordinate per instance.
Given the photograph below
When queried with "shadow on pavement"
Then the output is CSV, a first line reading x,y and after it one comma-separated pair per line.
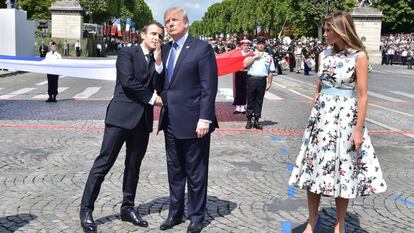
x,y
13,222
267,123
327,225
216,208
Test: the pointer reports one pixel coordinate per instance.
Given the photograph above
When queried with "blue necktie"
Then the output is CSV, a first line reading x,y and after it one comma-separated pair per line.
x,y
170,65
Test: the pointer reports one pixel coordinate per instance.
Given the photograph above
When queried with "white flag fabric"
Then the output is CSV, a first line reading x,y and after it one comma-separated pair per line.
x,y
91,69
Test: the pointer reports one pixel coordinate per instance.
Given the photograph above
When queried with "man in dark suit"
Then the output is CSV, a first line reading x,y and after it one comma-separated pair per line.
x,y
187,118
43,49
129,118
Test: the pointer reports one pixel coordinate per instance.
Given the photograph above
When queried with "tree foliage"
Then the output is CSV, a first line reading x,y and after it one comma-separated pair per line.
x,y
291,17
398,15
36,9
100,10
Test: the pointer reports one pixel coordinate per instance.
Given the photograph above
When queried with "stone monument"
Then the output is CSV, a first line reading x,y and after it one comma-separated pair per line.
x,y
67,19
368,22
17,36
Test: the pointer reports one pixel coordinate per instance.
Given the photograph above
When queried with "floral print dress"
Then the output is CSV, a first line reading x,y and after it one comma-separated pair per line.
x,y
326,163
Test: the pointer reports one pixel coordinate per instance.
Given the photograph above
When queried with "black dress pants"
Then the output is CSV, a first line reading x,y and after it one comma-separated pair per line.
x,y
256,88
113,139
52,84
187,163
239,83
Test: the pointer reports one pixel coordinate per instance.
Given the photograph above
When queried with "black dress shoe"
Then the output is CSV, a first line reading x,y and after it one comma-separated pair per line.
x,y
195,227
170,223
130,215
257,125
87,223
50,99
249,123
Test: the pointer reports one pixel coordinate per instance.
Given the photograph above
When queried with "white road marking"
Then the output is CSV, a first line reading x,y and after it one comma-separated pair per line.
x,y
41,83
298,93
88,92
391,110
271,96
384,97
388,127
45,96
280,85
403,94
16,93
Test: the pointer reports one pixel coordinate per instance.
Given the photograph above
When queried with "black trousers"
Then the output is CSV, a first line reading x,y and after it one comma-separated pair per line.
x,y
306,69
187,162
239,84
52,84
256,89
113,139
410,63
78,52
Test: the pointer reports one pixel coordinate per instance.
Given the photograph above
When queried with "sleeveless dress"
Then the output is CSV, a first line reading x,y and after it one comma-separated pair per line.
x,y
326,164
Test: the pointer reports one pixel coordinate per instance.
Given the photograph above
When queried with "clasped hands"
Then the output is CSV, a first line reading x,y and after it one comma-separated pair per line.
x,y
158,101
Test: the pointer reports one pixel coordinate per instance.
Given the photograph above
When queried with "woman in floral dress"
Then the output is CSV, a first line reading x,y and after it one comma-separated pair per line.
x,y
337,158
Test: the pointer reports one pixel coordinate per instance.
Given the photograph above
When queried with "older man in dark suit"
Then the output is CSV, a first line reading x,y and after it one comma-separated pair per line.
x,y
187,118
129,119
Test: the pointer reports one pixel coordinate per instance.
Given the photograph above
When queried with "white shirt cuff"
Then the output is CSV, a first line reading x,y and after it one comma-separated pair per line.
x,y
205,121
152,100
159,68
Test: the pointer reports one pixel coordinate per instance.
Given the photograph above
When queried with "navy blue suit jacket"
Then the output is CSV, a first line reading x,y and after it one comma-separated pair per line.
x,y
191,94
135,84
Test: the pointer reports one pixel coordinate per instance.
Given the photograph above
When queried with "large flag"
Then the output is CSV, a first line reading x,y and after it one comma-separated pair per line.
x,y
230,62
227,63
90,69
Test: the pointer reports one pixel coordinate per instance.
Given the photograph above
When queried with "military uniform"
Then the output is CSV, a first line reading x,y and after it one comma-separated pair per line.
x,y
257,74
52,79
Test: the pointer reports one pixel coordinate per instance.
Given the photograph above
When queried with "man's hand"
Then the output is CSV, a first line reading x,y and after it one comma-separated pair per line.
x,y
158,101
157,53
202,128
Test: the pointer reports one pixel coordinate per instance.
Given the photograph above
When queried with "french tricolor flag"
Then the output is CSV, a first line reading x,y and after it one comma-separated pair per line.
x,y
128,26
116,26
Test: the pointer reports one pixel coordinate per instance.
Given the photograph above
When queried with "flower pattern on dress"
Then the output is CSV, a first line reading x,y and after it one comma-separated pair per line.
x,y
326,163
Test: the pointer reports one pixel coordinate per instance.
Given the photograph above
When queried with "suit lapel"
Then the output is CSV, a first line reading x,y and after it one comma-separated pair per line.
x,y
183,53
141,57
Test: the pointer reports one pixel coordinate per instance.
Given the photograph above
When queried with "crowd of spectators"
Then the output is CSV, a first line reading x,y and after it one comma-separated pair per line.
x,y
397,49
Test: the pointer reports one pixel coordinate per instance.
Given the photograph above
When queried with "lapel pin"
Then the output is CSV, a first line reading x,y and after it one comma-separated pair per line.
x,y
187,47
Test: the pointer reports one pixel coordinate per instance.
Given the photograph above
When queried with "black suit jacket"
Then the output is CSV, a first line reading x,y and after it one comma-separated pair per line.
x,y
191,94
135,84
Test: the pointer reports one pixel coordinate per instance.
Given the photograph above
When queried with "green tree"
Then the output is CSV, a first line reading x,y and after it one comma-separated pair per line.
x,y
196,28
97,9
142,13
310,13
398,15
36,9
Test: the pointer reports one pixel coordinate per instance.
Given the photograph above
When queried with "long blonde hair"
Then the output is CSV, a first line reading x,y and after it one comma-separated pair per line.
x,y
343,25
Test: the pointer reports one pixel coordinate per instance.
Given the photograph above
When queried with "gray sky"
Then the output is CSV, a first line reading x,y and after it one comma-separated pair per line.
x,y
195,9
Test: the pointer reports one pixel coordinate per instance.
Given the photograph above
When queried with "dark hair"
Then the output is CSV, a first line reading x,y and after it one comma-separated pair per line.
x,y
53,43
152,22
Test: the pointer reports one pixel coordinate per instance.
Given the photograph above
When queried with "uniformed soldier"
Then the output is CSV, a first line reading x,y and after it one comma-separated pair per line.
x,y
52,79
259,80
